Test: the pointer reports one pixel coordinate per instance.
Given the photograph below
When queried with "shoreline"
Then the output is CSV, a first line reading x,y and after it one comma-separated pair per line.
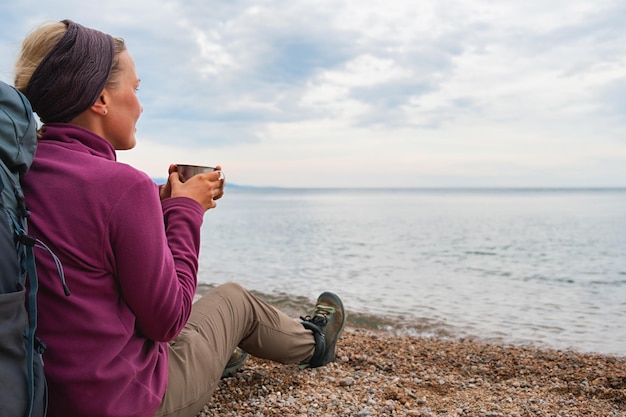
x,y
379,374
297,305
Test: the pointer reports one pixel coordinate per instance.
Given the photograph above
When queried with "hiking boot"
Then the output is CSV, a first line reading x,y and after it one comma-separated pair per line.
x,y
327,324
236,361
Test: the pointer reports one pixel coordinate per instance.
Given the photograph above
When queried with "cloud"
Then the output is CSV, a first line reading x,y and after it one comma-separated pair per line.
x,y
613,99
417,87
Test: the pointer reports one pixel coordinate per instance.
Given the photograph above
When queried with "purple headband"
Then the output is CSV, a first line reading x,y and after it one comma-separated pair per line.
x,y
72,75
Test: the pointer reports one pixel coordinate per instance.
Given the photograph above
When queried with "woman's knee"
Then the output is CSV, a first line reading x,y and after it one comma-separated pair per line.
x,y
231,289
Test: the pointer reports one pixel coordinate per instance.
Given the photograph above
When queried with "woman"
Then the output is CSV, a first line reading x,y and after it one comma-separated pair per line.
x,y
128,341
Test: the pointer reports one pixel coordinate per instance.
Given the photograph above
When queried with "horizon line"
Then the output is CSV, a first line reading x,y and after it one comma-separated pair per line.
x,y
427,188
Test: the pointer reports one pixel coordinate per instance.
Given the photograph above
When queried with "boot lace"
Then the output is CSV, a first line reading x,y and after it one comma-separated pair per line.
x,y
320,316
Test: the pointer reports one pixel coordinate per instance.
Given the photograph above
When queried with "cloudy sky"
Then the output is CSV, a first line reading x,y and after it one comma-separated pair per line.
x,y
332,93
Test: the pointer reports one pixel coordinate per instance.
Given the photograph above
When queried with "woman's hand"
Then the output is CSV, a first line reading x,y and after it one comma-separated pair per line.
x,y
203,188
165,190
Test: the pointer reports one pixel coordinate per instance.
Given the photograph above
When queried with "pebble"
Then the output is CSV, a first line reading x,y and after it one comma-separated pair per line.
x,y
346,382
427,377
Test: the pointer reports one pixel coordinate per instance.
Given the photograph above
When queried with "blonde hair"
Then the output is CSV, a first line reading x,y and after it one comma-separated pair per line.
x,y
40,42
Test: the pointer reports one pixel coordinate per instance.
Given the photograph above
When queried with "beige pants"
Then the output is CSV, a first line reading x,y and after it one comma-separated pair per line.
x,y
222,319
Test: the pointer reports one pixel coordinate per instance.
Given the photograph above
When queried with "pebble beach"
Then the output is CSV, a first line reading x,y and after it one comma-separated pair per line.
x,y
381,374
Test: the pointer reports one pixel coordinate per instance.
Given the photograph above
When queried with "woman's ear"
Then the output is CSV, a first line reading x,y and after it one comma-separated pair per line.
x,y
101,105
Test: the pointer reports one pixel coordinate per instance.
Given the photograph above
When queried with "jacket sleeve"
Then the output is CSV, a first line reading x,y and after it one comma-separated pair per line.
x,y
156,249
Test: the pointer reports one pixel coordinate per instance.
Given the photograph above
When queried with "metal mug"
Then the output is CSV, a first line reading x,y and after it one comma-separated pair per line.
x,y
187,171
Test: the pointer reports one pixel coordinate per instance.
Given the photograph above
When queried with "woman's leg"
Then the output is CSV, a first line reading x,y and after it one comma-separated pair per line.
x,y
224,318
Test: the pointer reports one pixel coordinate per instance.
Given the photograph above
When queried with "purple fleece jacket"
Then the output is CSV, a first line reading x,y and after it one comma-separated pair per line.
x,y
130,262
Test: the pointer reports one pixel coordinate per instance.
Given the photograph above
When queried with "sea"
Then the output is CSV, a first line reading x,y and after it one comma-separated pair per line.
x,y
539,267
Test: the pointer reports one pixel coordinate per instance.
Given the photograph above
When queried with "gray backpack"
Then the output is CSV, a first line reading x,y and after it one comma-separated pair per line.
x,y
22,382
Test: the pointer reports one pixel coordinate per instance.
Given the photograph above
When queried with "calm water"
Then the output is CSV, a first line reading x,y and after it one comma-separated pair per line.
x,y
535,267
